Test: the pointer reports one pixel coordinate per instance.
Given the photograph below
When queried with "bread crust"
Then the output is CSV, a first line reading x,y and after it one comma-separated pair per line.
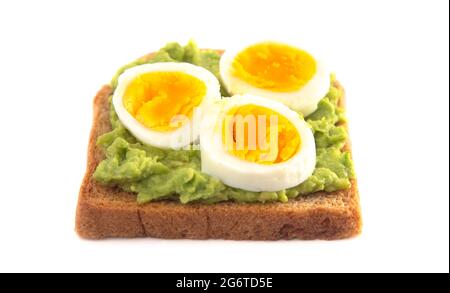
x,y
105,212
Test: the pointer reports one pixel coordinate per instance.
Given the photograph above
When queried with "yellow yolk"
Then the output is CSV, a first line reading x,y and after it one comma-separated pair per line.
x,y
275,67
155,98
246,133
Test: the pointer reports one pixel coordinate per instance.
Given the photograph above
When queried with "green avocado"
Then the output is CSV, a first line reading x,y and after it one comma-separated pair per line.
x,y
156,174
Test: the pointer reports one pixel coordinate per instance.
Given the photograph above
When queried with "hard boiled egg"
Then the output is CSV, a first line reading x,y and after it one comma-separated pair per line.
x,y
256,144
278,71
157,102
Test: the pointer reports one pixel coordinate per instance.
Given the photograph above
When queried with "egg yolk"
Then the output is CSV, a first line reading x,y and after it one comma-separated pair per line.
x,y
260,135
156,98
275,67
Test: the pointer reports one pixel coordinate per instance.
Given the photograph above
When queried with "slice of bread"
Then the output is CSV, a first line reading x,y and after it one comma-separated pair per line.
x,y
105,212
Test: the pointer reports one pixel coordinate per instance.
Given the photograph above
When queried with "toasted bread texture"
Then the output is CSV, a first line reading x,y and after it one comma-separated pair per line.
x,y
105,212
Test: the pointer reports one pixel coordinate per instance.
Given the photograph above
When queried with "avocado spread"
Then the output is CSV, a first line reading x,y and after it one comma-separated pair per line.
x,y
156,174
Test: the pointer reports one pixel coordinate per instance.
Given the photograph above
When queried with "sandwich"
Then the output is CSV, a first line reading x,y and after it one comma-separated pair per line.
x,y
250,143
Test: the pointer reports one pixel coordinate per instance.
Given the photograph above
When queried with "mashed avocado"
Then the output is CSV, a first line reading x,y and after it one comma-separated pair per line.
x,y
156,174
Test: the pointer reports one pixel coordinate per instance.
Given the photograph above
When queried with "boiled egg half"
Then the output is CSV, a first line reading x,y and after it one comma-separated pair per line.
x,y
256,144
278,71
157,102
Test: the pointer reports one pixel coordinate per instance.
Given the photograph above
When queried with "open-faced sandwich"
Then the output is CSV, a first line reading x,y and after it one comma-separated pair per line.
x,y
246,143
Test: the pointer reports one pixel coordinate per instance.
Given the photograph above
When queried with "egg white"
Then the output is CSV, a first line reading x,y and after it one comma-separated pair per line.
x,y
235,172
180,137
304,100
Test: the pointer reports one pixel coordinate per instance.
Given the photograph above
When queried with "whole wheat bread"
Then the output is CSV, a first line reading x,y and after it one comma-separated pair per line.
x,y
105,212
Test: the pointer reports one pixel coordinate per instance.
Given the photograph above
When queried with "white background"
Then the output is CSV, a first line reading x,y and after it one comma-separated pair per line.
x,y
392,57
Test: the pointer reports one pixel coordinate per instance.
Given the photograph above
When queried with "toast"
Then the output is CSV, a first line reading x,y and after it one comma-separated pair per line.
x,y
105,212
